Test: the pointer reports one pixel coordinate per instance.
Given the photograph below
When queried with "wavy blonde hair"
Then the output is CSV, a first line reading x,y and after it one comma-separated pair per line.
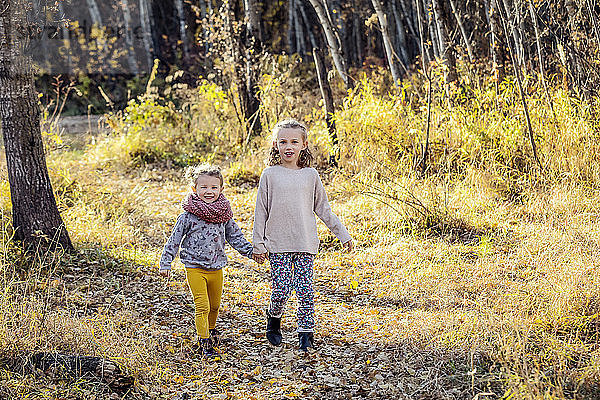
x,y
193,172
305,159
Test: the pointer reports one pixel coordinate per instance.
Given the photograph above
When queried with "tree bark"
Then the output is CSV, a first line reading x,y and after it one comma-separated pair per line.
x,y
131,60
291,31
333,42
253,48
66,40
35,215
518,44
183,30
95,13
385,33
446,45
146,33
311,36
422,163
463,31
495,46
328,101
300,40
401,35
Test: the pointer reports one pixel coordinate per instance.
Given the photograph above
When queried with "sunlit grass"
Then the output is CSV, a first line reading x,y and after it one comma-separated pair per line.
x,y
484,255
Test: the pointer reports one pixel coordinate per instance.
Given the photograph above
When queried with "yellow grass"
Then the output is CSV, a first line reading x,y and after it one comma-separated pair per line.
x,y
495,290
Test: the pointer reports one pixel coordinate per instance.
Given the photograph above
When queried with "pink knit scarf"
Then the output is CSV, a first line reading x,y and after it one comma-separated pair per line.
x,y
217,212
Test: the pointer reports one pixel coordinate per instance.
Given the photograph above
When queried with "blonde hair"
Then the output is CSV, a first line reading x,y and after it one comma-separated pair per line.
x,y
305,158
192,173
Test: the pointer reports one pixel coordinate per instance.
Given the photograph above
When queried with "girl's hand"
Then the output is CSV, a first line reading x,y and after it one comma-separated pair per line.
x,y
349,246
259,258
164,272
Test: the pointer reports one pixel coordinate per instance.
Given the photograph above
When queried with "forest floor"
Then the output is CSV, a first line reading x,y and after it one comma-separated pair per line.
x,y
403,317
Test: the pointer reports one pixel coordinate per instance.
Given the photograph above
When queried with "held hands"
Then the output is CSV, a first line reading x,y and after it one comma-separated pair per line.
x,y
165,272
348,246
259,258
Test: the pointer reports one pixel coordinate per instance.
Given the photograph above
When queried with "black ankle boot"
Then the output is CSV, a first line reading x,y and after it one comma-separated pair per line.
x,y
207,348
274,331
215,337
306,340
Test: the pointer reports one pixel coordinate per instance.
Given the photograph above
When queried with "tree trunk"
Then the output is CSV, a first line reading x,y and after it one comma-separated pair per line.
x,y
133,68
300,40
291,31
433,33
253,49
422,163
357,42
446,45
401,34
495,45
518,44
307,24
146,33
385,33
333,42
95,13
328,101
35,215
463,31
182,30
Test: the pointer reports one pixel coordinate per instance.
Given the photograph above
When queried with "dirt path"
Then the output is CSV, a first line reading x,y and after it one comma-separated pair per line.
x,y
154,318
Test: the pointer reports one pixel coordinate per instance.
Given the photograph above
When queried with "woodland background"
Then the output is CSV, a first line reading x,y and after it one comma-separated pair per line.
x,y
458,141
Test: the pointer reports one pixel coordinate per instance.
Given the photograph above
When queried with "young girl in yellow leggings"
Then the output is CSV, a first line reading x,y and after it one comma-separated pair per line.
x,y
200,234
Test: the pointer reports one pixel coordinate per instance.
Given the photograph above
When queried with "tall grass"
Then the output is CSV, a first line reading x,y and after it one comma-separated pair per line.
x,y
485,253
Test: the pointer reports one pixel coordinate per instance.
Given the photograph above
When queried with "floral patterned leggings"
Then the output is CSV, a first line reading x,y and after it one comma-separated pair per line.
x,y
291,271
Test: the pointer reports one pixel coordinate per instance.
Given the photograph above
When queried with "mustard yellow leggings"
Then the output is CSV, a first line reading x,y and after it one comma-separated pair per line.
x,y
206,287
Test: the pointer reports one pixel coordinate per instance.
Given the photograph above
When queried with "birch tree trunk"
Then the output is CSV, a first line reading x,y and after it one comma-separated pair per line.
x,y
146,33
463,31
95,13
291,31
328,101
385,33
183,30
333,42
518,44
401,34
495,46
131,60
35,215
446,47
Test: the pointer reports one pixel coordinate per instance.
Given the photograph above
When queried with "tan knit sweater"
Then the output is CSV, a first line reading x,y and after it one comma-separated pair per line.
x,y
286,204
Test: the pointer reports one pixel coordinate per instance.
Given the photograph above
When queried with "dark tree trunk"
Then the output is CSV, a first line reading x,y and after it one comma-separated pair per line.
x,y
442,19
328,100
36,219
496,48
253,47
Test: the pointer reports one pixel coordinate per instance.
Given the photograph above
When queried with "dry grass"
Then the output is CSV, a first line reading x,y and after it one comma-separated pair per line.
x,y
477,278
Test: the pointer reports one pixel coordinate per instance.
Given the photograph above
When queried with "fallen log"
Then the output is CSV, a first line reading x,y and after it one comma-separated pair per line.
x,y
68,366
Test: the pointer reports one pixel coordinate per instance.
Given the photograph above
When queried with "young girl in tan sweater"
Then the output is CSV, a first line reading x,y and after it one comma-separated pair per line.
x,y
290,193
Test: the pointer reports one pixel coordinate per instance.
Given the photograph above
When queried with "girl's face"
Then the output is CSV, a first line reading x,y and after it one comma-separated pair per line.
x,y
290,142
208,188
